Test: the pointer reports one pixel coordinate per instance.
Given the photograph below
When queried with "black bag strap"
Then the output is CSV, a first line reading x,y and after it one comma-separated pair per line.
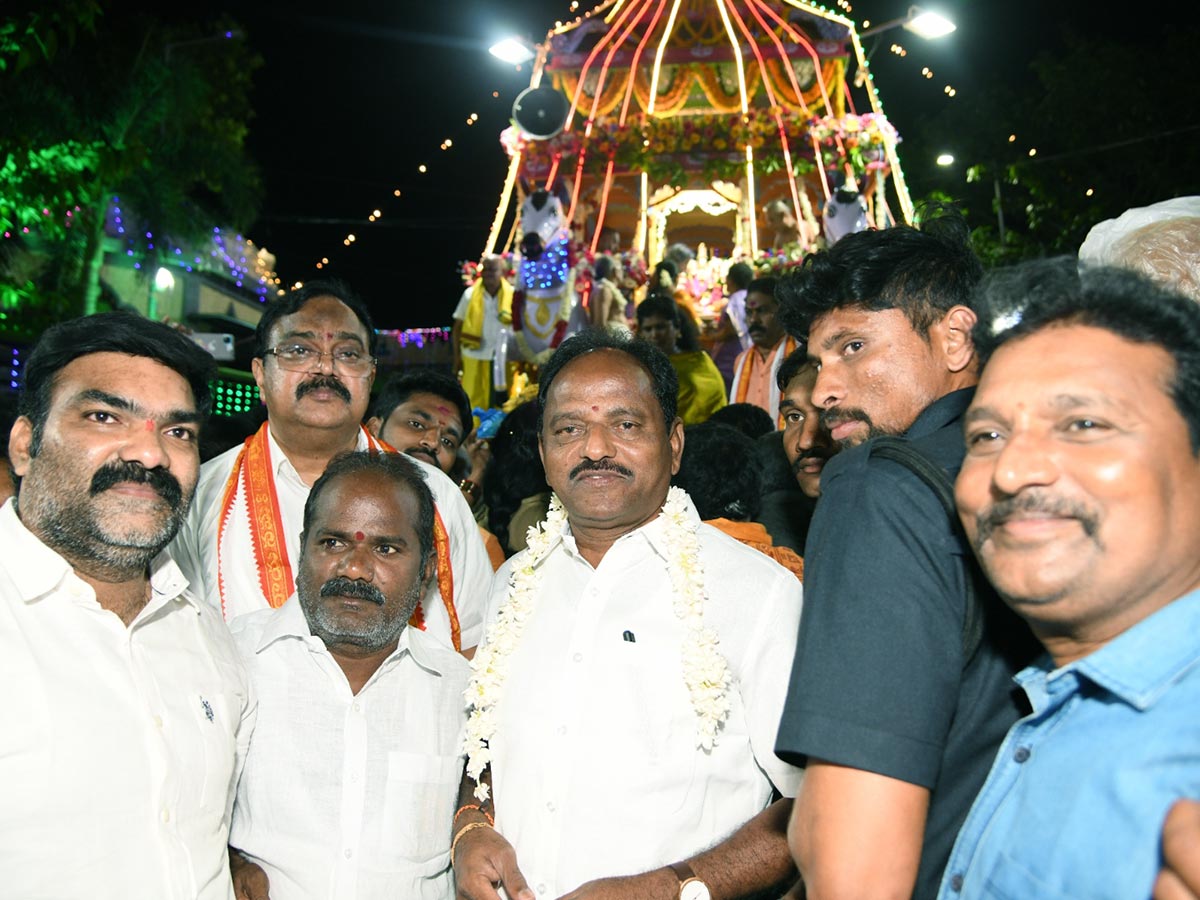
x,y
934,476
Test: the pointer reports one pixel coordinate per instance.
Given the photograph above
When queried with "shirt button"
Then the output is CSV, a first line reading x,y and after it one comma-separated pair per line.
x,y
541,889
166,816
550,806
158,723
349,853
1021,754
355,707
561,730
578,657
956,883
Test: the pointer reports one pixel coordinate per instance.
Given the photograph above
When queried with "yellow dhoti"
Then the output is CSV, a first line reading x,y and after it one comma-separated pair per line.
x,y
477,381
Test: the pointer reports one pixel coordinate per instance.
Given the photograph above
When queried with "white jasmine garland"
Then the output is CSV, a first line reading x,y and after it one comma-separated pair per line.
x,y
705,671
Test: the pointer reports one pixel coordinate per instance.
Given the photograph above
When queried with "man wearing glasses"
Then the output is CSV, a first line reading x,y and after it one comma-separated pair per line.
x,y
314,367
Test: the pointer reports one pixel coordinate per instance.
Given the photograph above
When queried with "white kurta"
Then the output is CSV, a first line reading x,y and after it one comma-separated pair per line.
x,y
595,764
344,796
121,745
195,547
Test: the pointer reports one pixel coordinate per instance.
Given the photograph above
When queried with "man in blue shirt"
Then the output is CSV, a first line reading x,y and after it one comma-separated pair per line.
x,y
1080,494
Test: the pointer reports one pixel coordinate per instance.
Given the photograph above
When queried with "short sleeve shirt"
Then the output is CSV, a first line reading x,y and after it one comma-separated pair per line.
x,y
878,681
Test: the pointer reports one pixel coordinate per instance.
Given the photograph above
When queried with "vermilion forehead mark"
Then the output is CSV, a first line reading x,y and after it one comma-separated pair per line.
x,y
444,410
595,409
358,535
149,425
329,335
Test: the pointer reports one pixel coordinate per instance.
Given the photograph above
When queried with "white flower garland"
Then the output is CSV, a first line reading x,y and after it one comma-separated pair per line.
x,y
705,671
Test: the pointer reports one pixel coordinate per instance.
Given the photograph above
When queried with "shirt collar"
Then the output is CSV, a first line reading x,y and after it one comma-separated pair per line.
x,y
653,532
37,569
1142,663
941,413
283,465
289,622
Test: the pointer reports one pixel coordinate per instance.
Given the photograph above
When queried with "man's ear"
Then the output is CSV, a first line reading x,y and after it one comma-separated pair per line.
x,y
20,440
676,439
375,425
256,369
955,336
429,572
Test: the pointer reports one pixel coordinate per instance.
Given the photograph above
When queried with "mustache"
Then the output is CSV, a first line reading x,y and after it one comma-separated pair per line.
x,y
598,465
163,482
348,587
422,451
1033,501
320,382
837,415
807,456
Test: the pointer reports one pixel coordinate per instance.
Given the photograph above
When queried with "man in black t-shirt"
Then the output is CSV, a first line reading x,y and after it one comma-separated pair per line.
x,y
896,717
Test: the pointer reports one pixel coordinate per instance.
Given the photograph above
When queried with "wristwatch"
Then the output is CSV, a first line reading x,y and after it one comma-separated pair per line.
x,y
690,887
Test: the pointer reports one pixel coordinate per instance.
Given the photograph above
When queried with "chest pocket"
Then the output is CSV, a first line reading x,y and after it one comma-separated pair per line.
x,y
421,792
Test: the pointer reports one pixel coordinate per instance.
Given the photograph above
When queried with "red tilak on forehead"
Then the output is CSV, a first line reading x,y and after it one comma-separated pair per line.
x,y
329,335
595,409
358,535
149,424
443,410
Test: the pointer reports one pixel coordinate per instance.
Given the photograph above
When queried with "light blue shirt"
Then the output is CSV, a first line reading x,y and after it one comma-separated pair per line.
x,y
1075,801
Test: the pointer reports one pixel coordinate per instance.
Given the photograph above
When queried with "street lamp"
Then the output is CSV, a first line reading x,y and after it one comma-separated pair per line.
x,y
923,23
512,50
163,281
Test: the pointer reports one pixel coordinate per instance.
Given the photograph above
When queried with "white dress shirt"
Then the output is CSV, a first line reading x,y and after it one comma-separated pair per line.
x,y
195,547
121,745
491,324
344,796
595,763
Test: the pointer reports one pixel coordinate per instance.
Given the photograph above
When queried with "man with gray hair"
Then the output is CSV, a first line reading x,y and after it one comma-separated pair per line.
x,y
1161,240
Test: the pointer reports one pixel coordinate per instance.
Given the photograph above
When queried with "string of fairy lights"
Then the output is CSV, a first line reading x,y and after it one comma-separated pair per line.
x,y
447,144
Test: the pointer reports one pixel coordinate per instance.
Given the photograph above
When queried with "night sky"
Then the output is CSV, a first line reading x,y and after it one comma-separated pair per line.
x,y
354,96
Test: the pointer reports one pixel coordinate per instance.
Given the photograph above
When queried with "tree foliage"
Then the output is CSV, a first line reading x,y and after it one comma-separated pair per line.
x,y
1114,125
152,110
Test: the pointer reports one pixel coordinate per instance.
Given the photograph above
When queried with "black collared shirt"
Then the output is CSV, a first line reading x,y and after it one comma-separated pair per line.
x,y
878,681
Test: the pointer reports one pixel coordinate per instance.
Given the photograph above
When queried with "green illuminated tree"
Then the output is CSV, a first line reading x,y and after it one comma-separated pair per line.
x,y
108,105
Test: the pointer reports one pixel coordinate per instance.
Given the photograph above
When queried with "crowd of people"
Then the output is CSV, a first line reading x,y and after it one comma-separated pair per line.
x,y
899,604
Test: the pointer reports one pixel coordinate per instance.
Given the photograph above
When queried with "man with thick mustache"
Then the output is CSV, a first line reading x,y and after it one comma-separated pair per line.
x,y
126,709
314,368
895,706
626,698
756,368
1080,493
351,779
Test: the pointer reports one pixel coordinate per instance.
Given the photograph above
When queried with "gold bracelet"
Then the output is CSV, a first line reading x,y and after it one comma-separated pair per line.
x,y
470,826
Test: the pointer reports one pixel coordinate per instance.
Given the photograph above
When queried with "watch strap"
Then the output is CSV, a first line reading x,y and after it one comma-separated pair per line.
x,y
682,871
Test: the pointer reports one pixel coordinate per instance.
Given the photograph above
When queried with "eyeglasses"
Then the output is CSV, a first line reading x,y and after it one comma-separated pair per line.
x,y
303,358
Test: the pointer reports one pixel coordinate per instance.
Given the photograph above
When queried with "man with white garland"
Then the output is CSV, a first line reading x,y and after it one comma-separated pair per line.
x,y
627,733
314,367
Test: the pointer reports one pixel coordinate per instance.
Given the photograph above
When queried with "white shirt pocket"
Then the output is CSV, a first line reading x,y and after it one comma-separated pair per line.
x,y
422,790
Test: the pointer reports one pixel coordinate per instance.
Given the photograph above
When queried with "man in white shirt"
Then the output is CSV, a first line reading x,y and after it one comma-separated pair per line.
x,y
126,709
483,310
350,785
314,369
626,695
